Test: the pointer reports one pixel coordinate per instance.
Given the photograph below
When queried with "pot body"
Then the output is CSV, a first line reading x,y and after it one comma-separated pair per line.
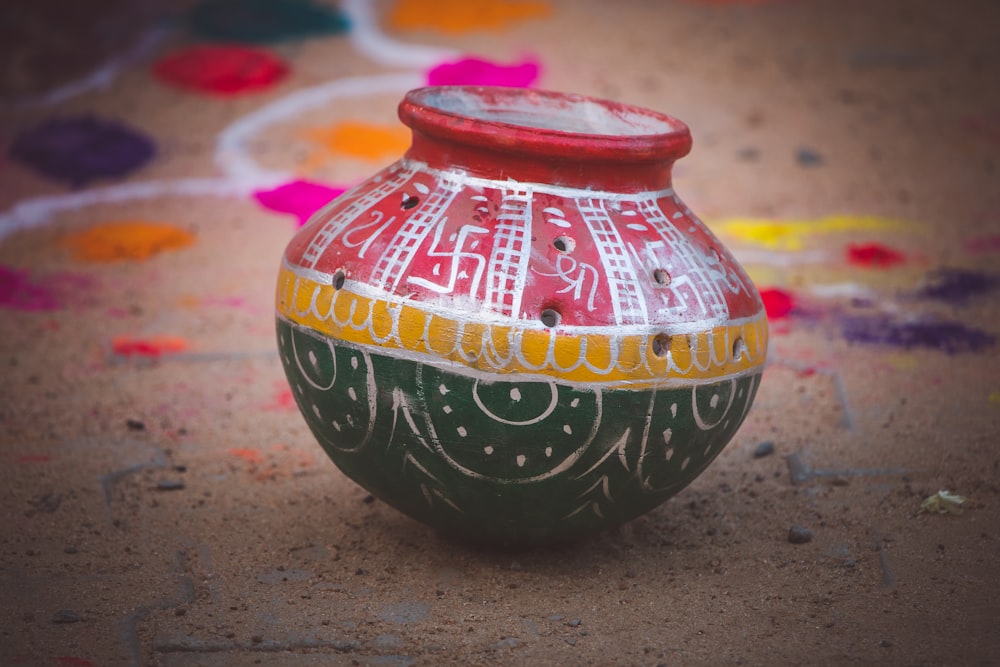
x,y
518,333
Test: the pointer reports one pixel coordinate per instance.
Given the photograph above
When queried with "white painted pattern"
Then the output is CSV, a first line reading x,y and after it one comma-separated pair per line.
x,y
400,252
695,290
333,227
508,263
627,301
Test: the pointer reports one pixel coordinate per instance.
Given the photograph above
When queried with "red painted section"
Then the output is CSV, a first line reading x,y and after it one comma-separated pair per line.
x,y
599,239
778,303
874,255
221,70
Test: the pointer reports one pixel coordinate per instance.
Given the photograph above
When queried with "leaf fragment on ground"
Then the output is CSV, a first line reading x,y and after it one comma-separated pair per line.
x,y
946,502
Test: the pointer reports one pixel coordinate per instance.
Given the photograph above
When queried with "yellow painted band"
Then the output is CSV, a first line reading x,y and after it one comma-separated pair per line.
x,y
601,357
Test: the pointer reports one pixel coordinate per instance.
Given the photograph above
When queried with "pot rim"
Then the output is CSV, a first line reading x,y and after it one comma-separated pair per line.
x,y
544,123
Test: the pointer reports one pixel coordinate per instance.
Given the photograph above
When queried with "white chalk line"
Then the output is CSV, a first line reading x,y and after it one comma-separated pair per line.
x,y
241,175
369,39
39,210
100,78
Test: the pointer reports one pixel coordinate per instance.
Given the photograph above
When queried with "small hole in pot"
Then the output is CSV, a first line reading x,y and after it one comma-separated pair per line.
x,y
661,277
661,344
409,202
739,349
550,317
338,279
564,244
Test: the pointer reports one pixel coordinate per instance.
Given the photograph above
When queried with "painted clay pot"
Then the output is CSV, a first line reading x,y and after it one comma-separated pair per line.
x,y
518,333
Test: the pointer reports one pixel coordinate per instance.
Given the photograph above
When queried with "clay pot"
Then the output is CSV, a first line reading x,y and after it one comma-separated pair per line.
x,y
518,333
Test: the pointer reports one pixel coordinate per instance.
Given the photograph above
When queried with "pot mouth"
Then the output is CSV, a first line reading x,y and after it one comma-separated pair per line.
x,y
530,121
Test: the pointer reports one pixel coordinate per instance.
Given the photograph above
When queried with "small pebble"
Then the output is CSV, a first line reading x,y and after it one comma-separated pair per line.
x,y
65,616
763,449
571,641
807,157
135,425
885,643
799,535
574,623
169,485
69,549
180,611
256,639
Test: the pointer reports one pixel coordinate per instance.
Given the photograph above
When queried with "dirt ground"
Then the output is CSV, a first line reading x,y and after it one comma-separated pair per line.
x,y
165,504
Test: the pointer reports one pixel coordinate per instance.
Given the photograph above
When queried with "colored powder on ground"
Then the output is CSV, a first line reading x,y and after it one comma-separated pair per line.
x,y
778,303
902,361
148,347
474,71
265,21
950,337
957,286
19,291
461,16
283,398
792,234
221,70
127,240
34,458
982,244
73,661
733,3
873,255
80,149
361,140
248,455
300,198
195,301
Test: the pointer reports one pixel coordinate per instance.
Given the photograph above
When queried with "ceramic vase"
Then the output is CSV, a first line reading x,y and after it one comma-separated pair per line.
x,y
518,333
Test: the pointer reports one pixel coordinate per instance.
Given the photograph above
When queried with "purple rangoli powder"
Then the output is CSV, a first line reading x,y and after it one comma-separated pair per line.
x,y
80,149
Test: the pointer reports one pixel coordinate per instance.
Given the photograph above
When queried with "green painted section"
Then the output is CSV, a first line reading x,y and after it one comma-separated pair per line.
x,y
495,460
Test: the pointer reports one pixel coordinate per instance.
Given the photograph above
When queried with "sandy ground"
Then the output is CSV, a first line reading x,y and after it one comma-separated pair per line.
x,y
174,510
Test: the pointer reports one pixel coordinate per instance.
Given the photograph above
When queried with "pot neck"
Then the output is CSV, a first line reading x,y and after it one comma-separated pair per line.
x,y
511,134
